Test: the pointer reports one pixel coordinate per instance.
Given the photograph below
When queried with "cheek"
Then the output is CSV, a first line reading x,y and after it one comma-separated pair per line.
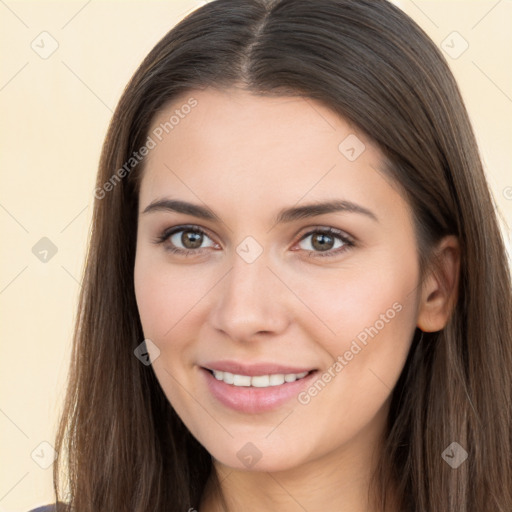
x,y
373,315
153,305
165,299
165,294
346,302
366,316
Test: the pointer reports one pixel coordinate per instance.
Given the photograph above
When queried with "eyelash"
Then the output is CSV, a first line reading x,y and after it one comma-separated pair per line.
x,y
347,241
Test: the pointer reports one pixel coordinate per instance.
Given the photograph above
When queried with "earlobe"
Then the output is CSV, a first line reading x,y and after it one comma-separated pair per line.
x,y
439,290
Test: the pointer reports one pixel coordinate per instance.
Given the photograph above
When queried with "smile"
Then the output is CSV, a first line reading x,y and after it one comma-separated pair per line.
x,y
259,381
269,388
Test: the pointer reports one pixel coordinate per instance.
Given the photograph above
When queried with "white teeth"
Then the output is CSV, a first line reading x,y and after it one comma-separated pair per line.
x,y
259,381
276,380
241,380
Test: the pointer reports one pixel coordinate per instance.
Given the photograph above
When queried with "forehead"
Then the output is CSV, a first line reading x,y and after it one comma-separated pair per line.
x,y
233,147
221,118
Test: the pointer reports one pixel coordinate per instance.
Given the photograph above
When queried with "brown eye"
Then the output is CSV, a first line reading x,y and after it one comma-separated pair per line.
x,y
322,242
326,242
191,239
186,240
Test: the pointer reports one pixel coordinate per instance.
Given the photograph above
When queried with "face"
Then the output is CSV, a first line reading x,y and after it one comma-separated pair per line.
x,y
279,326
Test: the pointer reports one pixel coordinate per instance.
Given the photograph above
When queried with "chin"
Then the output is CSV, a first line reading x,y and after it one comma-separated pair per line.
x,y
258,456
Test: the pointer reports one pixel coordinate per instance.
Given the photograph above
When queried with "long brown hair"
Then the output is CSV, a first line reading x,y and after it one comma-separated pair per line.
x,y
122,447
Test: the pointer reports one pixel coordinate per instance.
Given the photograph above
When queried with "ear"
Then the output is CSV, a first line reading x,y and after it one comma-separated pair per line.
x,y
439,288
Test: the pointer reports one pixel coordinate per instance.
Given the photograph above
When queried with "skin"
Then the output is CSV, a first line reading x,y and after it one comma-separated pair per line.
x,y
247,157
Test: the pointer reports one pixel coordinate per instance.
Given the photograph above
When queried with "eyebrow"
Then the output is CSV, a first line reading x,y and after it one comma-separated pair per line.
x,y
285,215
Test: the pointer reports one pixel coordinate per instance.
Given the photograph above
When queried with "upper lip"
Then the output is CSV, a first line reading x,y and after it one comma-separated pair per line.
x,y
254,369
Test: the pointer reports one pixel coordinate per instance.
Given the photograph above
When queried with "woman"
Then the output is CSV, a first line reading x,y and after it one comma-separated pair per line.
x,y
296,294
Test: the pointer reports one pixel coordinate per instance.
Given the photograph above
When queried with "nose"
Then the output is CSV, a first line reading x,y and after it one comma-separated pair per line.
x,y
251,301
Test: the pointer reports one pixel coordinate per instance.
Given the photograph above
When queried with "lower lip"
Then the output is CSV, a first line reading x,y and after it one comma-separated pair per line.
x,y
253,400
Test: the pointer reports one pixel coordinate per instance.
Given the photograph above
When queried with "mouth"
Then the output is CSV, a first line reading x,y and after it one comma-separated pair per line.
x,y
257,381
257,393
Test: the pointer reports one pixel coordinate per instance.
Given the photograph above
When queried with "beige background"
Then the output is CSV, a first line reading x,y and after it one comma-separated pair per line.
x,y
54,115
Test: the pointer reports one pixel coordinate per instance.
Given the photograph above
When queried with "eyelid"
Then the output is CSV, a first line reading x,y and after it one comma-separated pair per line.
x,y
327,229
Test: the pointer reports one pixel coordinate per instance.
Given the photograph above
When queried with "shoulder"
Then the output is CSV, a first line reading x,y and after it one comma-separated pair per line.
x,y
46,508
